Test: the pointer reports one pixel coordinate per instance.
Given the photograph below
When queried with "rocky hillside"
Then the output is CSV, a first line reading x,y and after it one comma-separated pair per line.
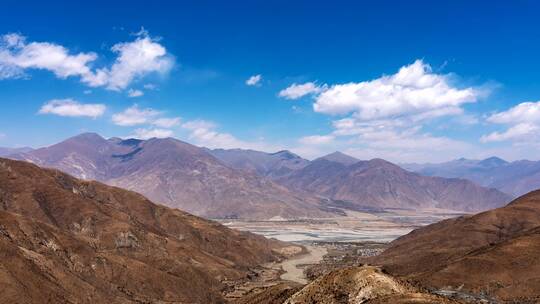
x,y
63,240
493,254
352,285
176,174
381,184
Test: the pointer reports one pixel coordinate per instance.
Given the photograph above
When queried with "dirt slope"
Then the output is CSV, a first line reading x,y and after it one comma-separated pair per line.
x,y
64,240
494,253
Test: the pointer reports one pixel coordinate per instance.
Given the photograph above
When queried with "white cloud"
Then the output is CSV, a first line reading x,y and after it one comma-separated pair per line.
x,y
72,108
204,133
523,112
143,133
150,86
254,80
523,121
523,131
316,139
16,55
413,90
167,122
386,117
296,91
134,60
86,92
135,116
135,93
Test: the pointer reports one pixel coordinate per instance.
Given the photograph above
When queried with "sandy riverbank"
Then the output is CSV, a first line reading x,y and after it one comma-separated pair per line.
x,y
293,268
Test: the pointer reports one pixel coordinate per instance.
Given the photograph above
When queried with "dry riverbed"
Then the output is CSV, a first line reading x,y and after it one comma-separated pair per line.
x,y
322,245
293,269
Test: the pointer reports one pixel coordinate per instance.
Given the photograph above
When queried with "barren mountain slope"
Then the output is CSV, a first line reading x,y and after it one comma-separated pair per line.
x,y
271,165
176,174
63,240
351,285
381,184
494,252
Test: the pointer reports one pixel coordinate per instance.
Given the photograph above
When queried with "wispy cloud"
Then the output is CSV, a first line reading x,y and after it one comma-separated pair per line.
x,y
254,80
72,108
143,133
167,122
296,91
205,133
134,115
135,93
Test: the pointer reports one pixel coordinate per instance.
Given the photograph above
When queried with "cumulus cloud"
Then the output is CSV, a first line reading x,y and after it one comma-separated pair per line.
x,y
143,133
386,117
72,108
135,93
296,91
523,112
254,80
135,116
134,60
413,90
16,55
523,121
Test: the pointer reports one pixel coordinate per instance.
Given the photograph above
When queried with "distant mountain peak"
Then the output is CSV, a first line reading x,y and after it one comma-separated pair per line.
x,y
341,158
286,154
88,135
493,162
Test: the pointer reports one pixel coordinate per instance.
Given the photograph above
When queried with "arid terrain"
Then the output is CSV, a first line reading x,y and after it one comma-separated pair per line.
x,y
383,226
64,240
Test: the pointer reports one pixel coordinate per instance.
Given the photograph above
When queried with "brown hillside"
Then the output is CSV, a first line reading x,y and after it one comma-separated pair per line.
x,y
63,240
493,253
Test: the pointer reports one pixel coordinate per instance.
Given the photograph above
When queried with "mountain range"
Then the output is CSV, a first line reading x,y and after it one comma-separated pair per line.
x,y
515,178
354,184
64,240
271,165
9,151
177,174
255,185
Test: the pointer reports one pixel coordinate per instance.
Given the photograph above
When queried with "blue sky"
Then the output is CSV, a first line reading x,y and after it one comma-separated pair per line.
x,y
405,81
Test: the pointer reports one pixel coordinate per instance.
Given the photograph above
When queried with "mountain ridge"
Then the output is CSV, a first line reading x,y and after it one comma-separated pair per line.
x,y
177,174
515,178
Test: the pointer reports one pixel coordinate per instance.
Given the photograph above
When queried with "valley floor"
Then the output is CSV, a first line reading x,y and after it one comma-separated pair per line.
x,y
326,244
381,226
